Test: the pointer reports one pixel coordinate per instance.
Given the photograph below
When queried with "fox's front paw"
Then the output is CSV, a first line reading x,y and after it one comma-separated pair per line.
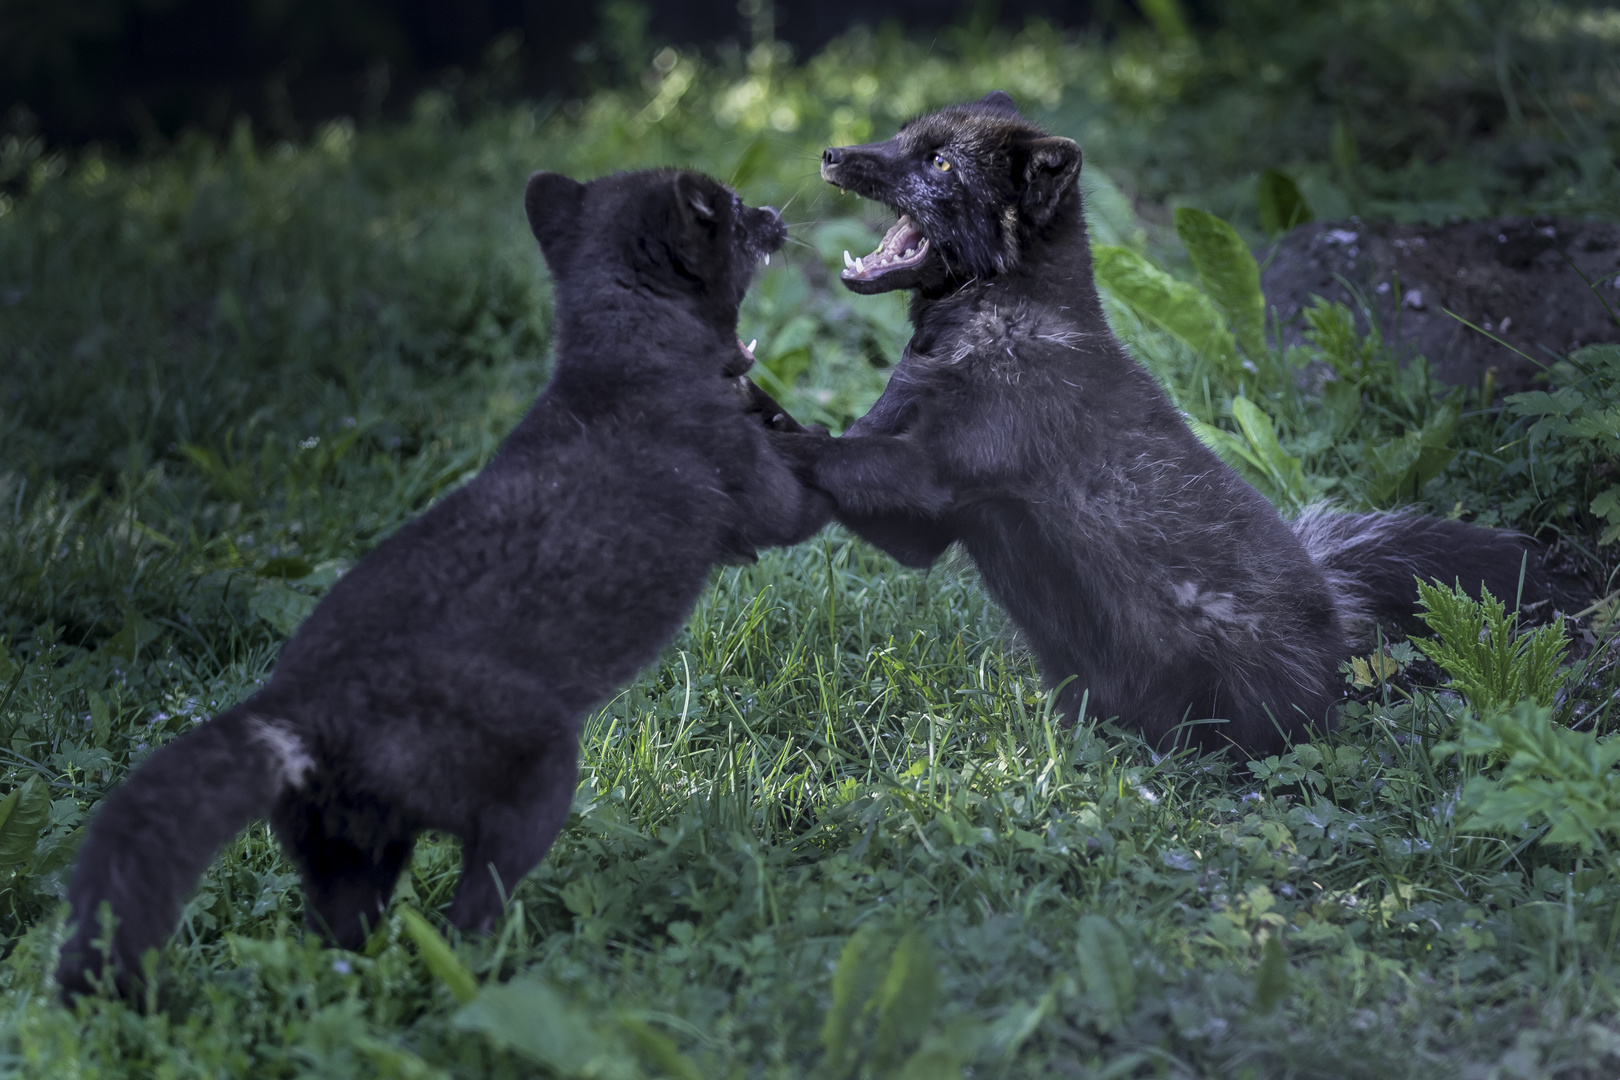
x,y
758,403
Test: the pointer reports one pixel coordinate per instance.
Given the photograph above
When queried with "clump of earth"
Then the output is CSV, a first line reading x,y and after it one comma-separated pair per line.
x,y
1520,279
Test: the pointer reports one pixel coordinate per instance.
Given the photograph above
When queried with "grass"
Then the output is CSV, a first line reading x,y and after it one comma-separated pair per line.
x,y
834,831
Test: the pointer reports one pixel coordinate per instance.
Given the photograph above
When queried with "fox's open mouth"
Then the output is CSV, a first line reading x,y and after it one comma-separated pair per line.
x,y
903,247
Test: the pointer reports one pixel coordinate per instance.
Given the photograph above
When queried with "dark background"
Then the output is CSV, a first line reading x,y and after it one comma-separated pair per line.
x,y
125,72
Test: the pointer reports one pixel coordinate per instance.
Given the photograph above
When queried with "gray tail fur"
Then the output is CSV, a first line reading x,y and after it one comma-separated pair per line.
x,y
154,836
1371,561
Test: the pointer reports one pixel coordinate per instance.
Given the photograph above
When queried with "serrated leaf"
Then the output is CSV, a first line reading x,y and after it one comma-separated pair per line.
x,y
1562,402
1228,272
23,814
1361,676
1280,203
1180,309
1607,504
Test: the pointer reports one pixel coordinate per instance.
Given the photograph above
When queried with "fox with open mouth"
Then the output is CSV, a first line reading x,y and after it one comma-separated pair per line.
x,y
1151,582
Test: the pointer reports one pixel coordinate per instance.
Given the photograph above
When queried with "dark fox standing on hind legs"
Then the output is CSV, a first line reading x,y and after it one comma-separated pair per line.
x,y
441,683
1131,558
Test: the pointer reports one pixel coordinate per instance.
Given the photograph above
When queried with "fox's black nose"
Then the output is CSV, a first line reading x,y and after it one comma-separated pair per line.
x,y
832,155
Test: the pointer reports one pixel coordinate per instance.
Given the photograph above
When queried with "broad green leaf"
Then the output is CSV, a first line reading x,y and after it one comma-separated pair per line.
x,y
1231,448
282,606
1607,504
1106,971
661,1050
438,956
882,1003
1404,464
1258,456
286,566
232,482
529,1017
1180,309
1229,273
1167,18
100,719
905,999
137,632
853,981
23,814
1280,203
754,159
932,1063
1271,977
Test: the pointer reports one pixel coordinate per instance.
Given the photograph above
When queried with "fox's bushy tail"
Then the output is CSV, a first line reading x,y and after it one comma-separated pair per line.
x,y
1371,560
154,835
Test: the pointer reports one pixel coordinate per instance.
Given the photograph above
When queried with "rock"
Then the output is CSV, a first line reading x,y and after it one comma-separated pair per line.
x,y
1511,276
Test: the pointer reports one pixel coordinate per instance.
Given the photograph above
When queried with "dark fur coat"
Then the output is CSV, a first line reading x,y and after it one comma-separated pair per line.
x,y
1148,578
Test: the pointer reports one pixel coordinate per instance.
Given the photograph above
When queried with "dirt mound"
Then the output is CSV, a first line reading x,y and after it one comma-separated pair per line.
x,y
1511,276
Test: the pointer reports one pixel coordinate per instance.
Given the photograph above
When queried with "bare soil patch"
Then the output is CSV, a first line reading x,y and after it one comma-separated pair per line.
x,y
1518,278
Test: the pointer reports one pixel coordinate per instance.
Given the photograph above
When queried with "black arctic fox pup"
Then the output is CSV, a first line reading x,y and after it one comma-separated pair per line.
x,y
1128,554
441,683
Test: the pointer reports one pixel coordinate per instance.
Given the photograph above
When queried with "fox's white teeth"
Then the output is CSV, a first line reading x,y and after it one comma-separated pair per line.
x,y
848,261
751,345
909,253
860,265
767,259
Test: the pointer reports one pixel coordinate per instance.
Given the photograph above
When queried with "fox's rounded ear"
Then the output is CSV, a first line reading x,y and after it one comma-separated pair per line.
x,y
1049,170
1000,99
552,202
696,205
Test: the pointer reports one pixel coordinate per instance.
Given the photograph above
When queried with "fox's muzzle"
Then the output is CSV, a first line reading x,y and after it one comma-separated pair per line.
x,y
858,168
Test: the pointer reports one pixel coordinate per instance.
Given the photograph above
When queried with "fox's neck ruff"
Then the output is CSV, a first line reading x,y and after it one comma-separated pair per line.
x,y
1054,264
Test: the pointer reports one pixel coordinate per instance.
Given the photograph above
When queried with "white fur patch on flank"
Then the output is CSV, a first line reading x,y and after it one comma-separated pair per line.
x,y
1217,607
293,762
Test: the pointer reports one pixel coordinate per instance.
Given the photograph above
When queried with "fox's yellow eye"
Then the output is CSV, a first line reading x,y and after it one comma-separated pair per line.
x,y
941,164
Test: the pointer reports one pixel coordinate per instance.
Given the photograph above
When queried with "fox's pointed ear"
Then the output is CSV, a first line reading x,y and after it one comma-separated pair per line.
x,y
1000,99
696,205
552,202
1049,171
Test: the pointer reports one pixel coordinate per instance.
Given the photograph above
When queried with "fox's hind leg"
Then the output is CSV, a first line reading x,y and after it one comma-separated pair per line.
x,y
511,838
346,886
